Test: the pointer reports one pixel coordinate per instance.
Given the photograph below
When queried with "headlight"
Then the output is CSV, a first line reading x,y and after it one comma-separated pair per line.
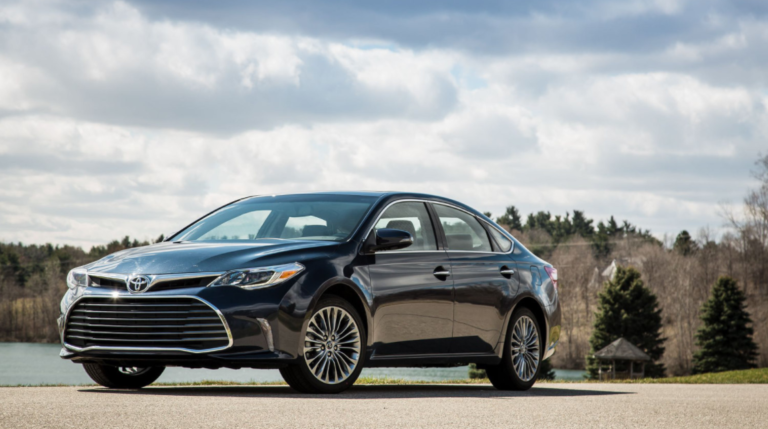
x,y
77,278
256,278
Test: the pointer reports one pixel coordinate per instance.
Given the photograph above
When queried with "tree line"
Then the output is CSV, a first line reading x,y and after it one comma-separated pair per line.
x,y
33,280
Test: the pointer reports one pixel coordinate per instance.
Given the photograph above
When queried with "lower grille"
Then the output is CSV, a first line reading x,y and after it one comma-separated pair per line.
x,y
138,323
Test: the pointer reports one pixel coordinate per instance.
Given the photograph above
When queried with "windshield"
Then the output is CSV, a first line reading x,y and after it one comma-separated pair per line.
x,y
302,217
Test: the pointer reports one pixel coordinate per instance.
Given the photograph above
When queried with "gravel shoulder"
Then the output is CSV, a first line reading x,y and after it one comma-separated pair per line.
x,y
425,406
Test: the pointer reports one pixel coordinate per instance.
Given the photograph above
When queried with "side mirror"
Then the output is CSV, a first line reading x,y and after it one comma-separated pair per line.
x,y
389,239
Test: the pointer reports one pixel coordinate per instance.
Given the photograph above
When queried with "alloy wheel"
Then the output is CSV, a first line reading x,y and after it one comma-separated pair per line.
x,y
332,345
525,348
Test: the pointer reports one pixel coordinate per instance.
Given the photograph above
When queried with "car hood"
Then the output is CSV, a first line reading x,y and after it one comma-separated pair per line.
x,y
196,257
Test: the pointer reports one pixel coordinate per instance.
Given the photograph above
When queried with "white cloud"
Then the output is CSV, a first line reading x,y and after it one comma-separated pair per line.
x,y
114,122
116,66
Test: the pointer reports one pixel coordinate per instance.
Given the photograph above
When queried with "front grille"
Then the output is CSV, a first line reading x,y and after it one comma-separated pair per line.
x,y
106,283
157,287
173,323
181,284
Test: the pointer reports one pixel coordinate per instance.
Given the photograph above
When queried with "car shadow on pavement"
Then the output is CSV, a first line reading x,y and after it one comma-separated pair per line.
x,y
359,392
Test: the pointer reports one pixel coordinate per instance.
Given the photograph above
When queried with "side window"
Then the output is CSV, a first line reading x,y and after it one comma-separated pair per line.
x,y
462,230
414,218
501,240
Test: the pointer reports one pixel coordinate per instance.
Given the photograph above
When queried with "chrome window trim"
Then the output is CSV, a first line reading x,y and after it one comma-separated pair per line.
x,y
154,278
511,249
150,349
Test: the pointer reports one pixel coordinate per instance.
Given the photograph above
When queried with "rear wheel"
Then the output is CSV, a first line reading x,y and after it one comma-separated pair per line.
x,y
123,377
521,360
333,350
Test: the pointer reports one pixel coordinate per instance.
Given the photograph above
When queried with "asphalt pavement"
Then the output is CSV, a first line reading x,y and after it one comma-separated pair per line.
x,y
431,406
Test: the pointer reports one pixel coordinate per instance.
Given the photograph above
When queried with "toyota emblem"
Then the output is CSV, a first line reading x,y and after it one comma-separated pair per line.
x,y
137,284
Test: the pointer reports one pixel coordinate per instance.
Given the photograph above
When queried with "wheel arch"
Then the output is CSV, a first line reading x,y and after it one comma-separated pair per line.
x,y
348,291
531,303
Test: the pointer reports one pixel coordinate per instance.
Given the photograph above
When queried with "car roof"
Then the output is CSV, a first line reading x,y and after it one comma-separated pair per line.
x,y
355,193
379,195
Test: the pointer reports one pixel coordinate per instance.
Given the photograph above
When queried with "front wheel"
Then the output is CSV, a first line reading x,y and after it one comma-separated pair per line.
x,y
521,360
121,377
333,350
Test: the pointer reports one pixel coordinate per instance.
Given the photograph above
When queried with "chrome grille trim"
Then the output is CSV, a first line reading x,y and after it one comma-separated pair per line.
x,y
141,312
144,341
165,319
89,331
202,325
145,305
221,318
154,278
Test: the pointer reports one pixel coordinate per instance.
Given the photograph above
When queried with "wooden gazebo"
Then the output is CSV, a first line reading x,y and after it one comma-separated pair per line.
x,y
622,350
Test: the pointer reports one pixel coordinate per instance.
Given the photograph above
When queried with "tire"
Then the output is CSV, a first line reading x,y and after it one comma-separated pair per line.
x,y
123,377
327,363
505,376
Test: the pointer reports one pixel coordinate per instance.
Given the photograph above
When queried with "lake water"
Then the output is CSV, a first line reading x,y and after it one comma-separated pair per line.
x,y
30,363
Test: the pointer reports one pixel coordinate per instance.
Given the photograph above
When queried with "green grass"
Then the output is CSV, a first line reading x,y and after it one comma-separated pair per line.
x,y
750,376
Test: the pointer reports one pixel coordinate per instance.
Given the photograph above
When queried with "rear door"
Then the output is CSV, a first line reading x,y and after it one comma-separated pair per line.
x,y
483,276
412,288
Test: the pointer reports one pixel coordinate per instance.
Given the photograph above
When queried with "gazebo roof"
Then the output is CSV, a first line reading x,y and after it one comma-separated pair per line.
x,y
622,349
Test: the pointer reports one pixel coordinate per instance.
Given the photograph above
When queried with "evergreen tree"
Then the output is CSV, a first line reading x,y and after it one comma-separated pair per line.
x,y
613,227
726,336
511,218
540,220
582,225
601,241
684,244
628,228
629,310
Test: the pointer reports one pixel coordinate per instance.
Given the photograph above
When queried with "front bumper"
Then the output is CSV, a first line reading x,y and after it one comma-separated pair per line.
x,y
261,333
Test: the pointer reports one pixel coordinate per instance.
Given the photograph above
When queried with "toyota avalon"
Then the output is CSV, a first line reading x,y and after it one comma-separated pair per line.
x,y
318,286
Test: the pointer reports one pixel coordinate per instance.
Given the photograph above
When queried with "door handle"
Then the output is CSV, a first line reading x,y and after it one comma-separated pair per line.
x,y
441,273
507,272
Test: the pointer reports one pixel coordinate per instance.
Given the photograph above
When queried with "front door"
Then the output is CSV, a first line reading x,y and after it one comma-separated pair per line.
x,y
412,288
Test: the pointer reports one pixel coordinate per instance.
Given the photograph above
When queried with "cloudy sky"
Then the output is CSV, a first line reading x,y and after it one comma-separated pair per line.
x,y
136,117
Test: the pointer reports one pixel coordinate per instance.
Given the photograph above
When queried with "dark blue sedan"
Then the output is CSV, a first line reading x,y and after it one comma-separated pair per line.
x,y
317,285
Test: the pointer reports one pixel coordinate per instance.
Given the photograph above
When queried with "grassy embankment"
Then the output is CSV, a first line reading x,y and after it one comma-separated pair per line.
x,y
751,376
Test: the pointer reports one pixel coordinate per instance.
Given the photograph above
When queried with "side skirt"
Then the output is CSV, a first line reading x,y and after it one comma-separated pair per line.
x,y
441,360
